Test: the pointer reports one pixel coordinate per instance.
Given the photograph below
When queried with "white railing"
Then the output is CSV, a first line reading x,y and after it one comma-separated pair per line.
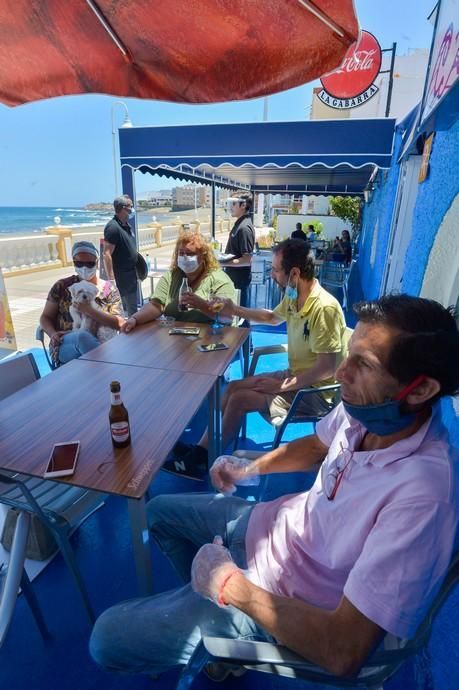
x,y
28,251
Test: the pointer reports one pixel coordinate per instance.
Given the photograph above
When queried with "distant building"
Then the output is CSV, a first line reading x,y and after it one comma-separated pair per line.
x,y
190,196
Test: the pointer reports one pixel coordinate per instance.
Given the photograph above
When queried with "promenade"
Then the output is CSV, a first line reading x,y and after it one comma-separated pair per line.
x,y
27,292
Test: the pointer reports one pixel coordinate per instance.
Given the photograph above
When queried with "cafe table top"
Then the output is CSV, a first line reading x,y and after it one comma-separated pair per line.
x,y
150,345
72,404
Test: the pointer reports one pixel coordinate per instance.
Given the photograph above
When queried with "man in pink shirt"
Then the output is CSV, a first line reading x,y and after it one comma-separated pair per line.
x,y
329,571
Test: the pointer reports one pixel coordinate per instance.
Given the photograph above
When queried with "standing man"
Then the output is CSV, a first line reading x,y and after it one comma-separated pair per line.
x,y
298,234
120,253
241,241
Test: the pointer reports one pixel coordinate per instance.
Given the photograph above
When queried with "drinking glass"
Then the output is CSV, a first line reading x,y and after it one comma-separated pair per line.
x,y
216,304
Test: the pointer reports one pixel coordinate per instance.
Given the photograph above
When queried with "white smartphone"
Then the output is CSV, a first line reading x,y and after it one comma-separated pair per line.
x,y
63,460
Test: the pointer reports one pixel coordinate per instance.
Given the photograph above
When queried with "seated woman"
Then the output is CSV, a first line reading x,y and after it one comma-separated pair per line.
x,y
194,259
67,344
342,248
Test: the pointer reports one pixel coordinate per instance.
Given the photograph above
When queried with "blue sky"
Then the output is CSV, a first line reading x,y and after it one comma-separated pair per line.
x,y
59,152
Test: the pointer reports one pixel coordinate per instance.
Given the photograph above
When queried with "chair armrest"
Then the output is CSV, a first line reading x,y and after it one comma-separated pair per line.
x,y
303,392
40,334
251,653
262,351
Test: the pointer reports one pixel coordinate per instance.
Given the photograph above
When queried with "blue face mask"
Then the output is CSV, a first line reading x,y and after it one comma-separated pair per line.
x,y
384,418
291,293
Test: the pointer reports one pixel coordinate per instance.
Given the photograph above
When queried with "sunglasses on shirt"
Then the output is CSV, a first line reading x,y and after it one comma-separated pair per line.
x,y
81,264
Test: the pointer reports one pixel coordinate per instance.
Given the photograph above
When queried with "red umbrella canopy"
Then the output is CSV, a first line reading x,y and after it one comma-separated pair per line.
x,y
188,51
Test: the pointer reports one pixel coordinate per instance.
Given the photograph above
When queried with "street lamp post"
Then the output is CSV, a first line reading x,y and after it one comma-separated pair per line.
x,y
126,123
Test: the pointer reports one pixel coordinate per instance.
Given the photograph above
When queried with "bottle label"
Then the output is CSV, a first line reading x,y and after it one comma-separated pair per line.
x,y
115,398
120,431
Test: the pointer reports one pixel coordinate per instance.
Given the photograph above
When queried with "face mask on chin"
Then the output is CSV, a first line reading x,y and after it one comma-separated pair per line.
x,y
188,264
85,273
385,418
291,291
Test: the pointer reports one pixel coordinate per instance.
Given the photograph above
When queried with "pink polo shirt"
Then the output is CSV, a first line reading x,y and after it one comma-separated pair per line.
x,y
386,539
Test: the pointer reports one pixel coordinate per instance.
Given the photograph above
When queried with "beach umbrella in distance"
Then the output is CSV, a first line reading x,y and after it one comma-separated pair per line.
x,y
185,51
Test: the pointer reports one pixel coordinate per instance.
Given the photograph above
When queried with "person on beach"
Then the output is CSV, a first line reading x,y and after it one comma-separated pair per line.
x,y
120,253
325,572
66,344
194,259
241,241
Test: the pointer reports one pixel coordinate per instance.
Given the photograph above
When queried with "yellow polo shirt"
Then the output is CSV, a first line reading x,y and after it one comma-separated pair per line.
x,y
318,328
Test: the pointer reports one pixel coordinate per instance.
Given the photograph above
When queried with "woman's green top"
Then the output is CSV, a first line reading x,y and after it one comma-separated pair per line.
x,y
167,293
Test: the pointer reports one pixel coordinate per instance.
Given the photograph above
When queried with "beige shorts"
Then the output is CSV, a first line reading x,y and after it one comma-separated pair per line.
x,y
277,406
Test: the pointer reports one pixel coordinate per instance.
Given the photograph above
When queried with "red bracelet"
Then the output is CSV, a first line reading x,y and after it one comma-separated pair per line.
x,y
223,585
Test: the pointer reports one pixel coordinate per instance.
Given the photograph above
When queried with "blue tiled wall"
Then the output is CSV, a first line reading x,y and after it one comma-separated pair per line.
x,y
435,196
377,217
440,666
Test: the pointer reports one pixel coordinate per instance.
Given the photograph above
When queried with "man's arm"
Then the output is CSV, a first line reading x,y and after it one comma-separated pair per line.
x,y
48,318
255,315
338,640
323,368
108,261
301,455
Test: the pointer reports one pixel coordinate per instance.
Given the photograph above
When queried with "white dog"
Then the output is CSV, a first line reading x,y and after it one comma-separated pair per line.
x,y
85,292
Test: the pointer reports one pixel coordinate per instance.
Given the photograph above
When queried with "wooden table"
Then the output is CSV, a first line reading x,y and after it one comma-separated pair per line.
x,y
150,345
73,402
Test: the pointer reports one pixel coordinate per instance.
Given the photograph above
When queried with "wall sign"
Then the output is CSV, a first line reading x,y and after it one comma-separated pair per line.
x,y
444,60
352,84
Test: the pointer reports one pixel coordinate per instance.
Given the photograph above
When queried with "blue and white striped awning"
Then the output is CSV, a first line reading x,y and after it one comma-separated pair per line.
x,y
317,156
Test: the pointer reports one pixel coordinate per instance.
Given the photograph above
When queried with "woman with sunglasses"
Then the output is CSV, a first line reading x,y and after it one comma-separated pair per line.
x,y
66,344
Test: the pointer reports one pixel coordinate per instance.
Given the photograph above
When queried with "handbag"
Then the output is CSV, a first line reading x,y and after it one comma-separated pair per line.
x,y
141,267
40,541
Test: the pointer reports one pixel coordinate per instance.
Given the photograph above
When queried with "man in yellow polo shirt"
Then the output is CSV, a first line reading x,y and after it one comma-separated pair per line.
x,y
316,346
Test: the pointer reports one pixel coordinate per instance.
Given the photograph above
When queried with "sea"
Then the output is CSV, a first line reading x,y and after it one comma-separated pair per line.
x,y
29,219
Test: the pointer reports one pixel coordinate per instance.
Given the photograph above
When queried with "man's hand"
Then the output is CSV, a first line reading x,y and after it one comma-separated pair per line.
x,y
56,338
227,311
195,302
266,384
128,325
210,571
227,471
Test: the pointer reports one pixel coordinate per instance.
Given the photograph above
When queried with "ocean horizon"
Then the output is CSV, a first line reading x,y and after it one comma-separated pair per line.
x,y
31,219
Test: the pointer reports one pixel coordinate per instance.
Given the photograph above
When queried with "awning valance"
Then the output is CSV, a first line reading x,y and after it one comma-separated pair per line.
x,y
317,156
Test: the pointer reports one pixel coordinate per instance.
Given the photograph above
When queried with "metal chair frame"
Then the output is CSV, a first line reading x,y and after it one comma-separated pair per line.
x,y
40,335
61,508
279,660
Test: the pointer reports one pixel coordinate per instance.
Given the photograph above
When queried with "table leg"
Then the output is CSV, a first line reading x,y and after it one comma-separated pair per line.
x,y
214,430
141,545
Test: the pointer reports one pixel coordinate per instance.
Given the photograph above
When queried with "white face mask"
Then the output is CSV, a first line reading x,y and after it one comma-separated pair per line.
x,y
85,273
188,264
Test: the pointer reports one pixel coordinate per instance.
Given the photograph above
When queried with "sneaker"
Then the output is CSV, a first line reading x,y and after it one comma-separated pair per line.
x,y
218,672
181,448
192,465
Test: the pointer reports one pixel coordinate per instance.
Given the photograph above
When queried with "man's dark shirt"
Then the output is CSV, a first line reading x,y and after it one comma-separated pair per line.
x,y
298,235
124,255
241,241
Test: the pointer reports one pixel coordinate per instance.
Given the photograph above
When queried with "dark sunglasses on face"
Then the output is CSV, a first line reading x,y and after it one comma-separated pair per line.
x,y
81,264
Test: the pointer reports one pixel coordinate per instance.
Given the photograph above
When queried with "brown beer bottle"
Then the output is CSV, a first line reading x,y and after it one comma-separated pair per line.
x,y
119,418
